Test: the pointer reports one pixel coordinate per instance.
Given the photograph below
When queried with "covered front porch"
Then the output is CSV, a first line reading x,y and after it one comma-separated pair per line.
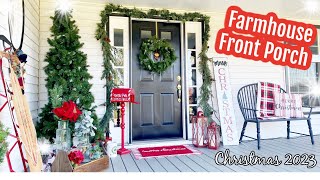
x,y
206,162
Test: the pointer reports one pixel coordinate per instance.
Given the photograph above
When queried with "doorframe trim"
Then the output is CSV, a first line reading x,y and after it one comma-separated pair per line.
x,y
184,102
130,78
183,70
155,20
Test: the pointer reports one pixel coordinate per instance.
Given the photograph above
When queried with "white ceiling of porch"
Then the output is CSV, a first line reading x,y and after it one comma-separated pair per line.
x,y
283,8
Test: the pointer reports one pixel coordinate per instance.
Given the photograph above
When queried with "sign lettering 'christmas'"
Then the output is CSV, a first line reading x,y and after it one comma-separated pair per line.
x,y
226,111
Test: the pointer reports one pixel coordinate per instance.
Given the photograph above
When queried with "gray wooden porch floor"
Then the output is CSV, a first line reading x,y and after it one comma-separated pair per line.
x,y
206,163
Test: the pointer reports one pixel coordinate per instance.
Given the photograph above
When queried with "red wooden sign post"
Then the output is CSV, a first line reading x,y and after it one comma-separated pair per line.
x,y
122,95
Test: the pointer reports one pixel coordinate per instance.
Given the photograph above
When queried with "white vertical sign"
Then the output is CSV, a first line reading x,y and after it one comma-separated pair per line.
x,y
224,96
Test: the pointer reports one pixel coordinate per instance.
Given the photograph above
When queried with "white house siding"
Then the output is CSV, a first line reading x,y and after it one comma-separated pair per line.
x,y
31,48
242,72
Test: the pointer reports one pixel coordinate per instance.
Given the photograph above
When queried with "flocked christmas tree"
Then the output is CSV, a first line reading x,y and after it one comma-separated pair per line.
x,y
66,68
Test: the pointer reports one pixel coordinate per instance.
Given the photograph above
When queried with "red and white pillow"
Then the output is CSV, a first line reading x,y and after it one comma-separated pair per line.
x,y
265,99
288,105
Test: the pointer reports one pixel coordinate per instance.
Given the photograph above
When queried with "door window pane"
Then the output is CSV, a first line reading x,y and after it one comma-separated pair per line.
x,y
192,58
193,110
191,41
145,34
192,95
118,37
116,116
192,78
166,35
118,54
119,80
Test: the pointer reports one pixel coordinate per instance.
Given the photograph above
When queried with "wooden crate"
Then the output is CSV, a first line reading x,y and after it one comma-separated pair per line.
x,y
94,166
62,164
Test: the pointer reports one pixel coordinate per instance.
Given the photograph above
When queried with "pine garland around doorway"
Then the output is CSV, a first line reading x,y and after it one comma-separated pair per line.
x,y
102,34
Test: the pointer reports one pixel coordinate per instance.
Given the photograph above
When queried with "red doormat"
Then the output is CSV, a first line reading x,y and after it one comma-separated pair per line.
x,y
163,151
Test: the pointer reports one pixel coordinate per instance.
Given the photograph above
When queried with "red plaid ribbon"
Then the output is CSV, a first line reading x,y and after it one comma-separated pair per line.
x,y
267,91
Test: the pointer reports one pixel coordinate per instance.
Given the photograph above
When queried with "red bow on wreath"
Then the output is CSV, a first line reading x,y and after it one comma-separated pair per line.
x,y
68,111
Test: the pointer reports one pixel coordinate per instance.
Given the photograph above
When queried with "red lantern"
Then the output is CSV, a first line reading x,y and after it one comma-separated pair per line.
x,y
199,130
213,136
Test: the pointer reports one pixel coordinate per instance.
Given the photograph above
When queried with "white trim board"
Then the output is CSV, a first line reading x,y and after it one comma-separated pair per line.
x,y
117,22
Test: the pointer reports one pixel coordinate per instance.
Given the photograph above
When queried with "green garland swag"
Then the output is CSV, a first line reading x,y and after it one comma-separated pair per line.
x,y
102,34
156,47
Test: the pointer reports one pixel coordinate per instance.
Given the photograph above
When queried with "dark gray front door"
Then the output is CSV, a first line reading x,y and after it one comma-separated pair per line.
x,y
159,113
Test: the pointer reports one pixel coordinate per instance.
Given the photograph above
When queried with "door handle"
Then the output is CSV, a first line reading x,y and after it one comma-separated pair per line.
x,y
179,89
179,92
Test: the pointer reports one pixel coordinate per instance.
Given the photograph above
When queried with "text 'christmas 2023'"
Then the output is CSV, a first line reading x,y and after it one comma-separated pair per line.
x,y
266,38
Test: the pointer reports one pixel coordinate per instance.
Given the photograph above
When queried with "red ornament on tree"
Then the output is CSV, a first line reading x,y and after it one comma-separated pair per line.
x,y
68,111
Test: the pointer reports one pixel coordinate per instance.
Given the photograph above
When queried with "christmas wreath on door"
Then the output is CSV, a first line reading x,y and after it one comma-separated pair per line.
x,y
156,55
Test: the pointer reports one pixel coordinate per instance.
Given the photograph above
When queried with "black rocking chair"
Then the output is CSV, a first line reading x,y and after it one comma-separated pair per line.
x,y
247,100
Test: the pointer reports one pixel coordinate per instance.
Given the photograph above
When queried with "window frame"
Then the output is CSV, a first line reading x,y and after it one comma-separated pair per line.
x,y
315,59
